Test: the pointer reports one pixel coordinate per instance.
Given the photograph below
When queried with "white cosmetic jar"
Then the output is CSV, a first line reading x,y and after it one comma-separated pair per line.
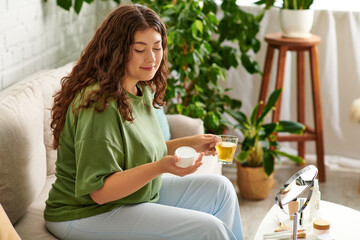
x,y
186,156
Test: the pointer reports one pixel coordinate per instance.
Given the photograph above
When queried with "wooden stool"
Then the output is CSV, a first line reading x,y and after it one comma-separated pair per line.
x,y
276,41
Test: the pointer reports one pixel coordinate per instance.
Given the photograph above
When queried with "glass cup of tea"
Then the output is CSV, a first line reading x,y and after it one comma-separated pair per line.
x,y
226,148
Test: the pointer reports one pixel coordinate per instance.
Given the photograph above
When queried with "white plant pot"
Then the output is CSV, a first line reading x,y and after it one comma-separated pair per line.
x,y
296,23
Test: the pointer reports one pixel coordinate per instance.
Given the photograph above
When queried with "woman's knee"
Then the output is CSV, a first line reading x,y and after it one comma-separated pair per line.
x,y
213,228
222,183
222,180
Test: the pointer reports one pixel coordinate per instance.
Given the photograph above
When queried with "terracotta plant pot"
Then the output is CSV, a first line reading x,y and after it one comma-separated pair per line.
x,y
296,23
253,182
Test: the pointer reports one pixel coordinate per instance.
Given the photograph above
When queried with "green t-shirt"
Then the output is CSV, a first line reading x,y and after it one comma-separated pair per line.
x,y
96,145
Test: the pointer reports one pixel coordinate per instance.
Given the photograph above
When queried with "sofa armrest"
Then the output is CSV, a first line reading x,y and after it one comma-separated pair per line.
x,y
183,126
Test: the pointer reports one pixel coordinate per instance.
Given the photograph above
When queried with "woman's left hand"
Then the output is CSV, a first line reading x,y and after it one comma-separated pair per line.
x,y
204,143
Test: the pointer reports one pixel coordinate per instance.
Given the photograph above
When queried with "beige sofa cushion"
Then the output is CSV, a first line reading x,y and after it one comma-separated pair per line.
x,y
183,126
50,83
26,156
22,151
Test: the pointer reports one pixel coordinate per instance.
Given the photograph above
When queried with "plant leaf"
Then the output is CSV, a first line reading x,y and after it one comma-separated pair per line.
x,y
268,3
199,25
269,105
254,114
240,117
65,4
179,108
307,4
290,127
293,158
78,5
243,155
268,129
268,162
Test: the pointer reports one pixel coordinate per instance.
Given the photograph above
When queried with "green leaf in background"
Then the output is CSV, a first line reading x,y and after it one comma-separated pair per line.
x,y
269,105
293,158
199,25
290,127
240,117
65,4
78,5
306,4
254,114
194,31
268,162
269,129
212,18
179,108
268,3
243,156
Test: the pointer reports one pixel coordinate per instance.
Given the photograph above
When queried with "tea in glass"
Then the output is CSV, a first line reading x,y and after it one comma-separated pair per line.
x,y
226,149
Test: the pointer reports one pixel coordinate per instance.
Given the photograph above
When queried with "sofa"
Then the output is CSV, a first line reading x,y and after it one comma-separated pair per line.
x,y
27,161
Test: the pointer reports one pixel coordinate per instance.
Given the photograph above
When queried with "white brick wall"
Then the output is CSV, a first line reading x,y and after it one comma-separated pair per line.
x,y
36,35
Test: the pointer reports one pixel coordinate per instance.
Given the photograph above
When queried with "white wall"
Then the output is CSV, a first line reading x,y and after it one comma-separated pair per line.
x,y
36,35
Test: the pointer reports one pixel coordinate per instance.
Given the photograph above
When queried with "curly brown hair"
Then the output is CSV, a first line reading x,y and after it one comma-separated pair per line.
x,y
104,61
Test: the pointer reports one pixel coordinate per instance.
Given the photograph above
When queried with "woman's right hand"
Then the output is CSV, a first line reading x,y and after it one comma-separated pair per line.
x,y
167,165
123,183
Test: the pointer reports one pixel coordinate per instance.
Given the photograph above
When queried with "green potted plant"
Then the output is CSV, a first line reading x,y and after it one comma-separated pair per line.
x,y
260,148
296,17
200,55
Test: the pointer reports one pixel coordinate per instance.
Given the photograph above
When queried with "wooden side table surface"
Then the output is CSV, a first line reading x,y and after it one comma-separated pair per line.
x,y
344,221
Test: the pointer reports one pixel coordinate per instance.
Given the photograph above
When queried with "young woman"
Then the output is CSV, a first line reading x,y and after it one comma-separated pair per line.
x,y
111,152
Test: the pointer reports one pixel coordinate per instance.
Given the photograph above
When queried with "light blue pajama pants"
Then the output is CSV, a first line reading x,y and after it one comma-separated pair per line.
x,y
193,207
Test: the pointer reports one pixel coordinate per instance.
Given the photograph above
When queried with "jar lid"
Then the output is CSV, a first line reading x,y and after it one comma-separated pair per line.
x,y
321,224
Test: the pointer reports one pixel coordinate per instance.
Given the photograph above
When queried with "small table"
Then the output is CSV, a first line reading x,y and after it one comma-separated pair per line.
x,y
344,221
300,46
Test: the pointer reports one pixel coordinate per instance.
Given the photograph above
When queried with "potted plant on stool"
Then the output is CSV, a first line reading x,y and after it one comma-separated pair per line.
x,y
296,17
260,148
